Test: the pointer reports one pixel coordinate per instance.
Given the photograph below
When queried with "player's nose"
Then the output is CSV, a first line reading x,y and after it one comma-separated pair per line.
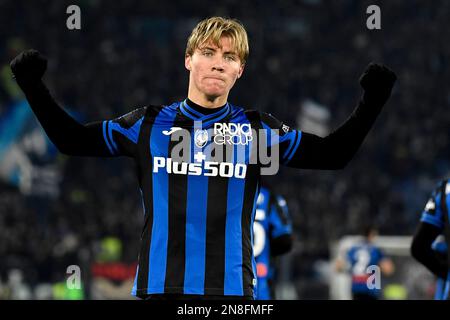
x,y
218,64
218,68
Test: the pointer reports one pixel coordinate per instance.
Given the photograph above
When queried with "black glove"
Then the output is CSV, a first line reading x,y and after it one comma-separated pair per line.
x,y
28,67
377,82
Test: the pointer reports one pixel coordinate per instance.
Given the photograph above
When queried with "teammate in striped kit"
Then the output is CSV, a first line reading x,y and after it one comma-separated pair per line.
x,y
199,211
434,222
272,237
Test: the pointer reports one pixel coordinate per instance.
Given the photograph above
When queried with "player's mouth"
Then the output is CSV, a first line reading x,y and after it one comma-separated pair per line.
x,y
216,78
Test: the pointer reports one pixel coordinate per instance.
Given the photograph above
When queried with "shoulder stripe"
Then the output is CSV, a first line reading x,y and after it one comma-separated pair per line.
x,y
298,137
113,143
105,137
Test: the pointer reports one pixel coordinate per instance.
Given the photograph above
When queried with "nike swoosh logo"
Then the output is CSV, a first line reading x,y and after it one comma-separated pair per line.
x,y
172,130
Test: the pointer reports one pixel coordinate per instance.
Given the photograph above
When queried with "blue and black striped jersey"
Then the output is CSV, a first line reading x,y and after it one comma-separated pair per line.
x,y
198,231
360,257
437,205
272,222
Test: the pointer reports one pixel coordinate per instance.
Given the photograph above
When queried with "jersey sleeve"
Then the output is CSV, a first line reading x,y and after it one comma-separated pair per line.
x,y
121,135
281,135
432,214
379,254
280,221
350,256
439,245
280,227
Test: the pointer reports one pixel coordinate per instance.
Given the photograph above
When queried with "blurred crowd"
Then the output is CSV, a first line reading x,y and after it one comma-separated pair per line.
x,y
131,53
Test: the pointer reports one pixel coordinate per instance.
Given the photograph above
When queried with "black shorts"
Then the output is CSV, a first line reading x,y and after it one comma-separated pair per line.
x,y
364,296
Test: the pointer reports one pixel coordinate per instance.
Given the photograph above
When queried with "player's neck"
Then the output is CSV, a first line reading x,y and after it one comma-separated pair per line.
x,y
202,109
207,102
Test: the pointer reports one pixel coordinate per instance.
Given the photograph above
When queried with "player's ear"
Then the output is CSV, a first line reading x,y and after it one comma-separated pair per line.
x,y
187,62
241,70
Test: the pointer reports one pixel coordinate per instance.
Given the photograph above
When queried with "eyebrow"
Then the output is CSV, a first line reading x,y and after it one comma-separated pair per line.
x,y
213,49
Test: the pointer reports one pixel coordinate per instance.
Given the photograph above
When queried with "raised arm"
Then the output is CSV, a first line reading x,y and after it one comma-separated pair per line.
x,y
69,136
308,151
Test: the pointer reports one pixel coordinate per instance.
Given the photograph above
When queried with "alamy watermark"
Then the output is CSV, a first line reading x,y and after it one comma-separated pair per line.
x,y
73,22
373,282
73,281
374,20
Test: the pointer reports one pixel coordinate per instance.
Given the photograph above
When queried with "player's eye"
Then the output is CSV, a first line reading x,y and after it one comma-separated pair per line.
x,y
207,53
230,58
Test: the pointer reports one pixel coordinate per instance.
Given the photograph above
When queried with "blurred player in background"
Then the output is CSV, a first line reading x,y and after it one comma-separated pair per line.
x,y
272,237
197,235
357,261
434,222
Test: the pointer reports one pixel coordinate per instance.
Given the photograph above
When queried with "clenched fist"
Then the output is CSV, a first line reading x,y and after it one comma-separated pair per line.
x,y
377,77
377,82
28,67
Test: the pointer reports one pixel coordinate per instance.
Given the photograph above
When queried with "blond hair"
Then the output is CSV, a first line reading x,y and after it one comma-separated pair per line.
x,y
213,29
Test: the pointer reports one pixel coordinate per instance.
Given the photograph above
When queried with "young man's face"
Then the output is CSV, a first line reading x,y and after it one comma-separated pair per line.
x,y
214,69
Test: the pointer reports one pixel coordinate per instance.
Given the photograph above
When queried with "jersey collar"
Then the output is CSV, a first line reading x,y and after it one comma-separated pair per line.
x,y
206,119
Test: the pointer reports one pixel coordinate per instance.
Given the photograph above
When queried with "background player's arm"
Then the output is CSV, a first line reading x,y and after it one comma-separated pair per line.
x,y
386,265
281,244
338,148
340,264
422,251
281,239
69,136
